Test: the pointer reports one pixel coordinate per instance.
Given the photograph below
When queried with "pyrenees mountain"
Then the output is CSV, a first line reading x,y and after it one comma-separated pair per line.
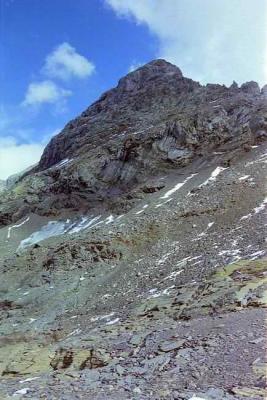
x,y
132,257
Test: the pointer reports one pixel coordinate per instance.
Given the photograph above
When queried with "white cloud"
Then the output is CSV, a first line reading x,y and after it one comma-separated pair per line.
x,y
135,65
44,92
211,41
64,62
16,157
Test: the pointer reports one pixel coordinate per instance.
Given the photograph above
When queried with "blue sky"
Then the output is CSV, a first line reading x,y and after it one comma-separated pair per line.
x,y
58,56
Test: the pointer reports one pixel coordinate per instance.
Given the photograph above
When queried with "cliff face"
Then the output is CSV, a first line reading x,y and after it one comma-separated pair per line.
x,y
158,97
154,121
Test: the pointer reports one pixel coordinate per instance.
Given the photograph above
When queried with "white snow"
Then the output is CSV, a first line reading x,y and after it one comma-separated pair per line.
x,y
75,332
162,204
139,212
246,217
184,260
112,322
177,187
86,222
144,207
109,219
164,258
101,317
32,320
204,233
155,293
242,178
63,162
261,159
210,225
167,290
57,228
230,252
21,391
16,226
197,398
173,274
213,176
257,254
153,290
256,210
53,228
30,379
261,207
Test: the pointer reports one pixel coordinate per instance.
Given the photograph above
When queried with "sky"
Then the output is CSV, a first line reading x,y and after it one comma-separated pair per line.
x,y
58,56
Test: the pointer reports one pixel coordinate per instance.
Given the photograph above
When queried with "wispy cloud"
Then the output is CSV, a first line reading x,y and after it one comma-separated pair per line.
x,y
44,92
216,41
20,146
15,157
134,66
65,63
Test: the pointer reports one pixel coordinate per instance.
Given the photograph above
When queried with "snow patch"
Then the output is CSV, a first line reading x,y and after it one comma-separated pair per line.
x,y
139,212
16,226
101,317
86,222
213,176
177,187
204,233
242,178
261,207
63,162
112,322
255,211
109,219
53,228
256,255
162,204
21,391
75,332
30,379
57,228
173,275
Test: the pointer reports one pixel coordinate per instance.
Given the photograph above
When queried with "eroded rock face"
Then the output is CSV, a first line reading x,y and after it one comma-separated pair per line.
x,y
153,94
154,120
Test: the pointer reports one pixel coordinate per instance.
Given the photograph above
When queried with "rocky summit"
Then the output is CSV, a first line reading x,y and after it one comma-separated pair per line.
x,y
132,257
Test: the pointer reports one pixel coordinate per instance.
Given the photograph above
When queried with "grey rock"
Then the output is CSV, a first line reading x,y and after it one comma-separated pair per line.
x,y
171,345
158,362
155,119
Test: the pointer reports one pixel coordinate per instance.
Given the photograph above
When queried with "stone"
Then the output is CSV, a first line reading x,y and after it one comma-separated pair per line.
x,y
171,345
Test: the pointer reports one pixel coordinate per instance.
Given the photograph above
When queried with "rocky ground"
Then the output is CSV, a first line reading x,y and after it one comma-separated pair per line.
x,y
144,306
156,290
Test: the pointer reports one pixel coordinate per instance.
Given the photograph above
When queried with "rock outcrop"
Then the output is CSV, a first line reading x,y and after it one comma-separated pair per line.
x,y
154,121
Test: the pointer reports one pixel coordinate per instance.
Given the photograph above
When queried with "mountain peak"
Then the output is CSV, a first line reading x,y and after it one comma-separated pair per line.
x,y
155,69
160,66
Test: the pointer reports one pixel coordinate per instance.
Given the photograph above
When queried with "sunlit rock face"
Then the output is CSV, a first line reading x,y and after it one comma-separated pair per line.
x,y
154,120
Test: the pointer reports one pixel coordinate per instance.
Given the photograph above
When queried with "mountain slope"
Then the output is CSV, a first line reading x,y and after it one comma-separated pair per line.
x,y
156,289
154,121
